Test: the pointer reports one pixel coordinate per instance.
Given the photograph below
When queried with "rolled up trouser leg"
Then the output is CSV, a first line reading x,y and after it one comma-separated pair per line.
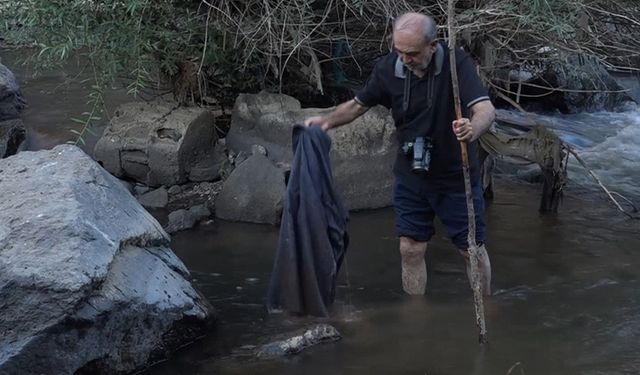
x,y
484,268
414,268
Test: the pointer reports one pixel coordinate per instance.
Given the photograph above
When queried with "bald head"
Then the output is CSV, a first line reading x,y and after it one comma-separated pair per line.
x,y
414,40
417,23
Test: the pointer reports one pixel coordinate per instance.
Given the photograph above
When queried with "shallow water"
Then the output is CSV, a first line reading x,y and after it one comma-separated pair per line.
x,y
566,297
54,97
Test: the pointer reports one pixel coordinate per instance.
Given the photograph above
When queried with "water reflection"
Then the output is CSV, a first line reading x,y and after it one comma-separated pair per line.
x,y
54,97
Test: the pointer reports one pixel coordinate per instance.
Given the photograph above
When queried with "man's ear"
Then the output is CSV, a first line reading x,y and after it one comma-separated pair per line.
x,y
433,46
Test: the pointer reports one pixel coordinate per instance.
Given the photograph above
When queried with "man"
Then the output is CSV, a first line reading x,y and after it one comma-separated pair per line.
x,y
414,81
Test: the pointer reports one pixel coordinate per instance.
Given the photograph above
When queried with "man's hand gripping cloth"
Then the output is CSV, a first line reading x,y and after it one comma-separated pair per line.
x,y
313,237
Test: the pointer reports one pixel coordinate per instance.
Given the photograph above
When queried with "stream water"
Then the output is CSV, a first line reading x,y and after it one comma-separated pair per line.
x,y
566,288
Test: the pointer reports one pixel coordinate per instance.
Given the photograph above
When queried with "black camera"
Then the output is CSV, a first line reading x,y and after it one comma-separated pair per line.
x,y
420,152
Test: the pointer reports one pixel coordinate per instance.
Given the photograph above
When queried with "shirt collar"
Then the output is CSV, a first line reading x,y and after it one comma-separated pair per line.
x,y
438,61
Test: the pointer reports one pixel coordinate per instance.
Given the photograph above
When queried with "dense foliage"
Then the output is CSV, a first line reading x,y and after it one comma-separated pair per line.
x,y
217,48
145,42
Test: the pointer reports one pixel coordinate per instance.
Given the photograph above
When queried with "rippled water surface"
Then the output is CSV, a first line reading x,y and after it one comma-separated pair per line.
x,y
566,298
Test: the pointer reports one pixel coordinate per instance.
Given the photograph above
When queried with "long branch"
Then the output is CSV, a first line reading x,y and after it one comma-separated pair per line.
x,y
471,227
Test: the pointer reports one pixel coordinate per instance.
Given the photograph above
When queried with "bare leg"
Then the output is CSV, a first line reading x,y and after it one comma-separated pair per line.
x,y
484,266
414,268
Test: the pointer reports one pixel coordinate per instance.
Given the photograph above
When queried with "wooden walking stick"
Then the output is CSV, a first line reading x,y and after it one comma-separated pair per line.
x,y
471,236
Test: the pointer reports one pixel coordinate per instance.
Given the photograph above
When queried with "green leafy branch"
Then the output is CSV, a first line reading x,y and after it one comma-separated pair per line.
x,y
136,42
96,102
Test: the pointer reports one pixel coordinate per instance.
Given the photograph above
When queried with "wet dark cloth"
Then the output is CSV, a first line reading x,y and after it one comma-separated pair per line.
x,y
429,113
313,237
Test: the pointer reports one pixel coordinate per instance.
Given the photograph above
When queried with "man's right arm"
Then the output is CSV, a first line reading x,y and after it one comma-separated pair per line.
x,y
341,115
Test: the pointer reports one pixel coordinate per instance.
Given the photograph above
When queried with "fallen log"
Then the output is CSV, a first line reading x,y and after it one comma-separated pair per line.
x,y
524,141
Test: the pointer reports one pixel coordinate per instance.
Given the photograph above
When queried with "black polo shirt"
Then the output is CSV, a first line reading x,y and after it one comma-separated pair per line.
x,y
429,113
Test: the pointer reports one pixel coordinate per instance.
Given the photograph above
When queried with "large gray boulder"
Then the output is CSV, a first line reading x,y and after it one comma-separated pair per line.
x,y
588,85
88,283
362,153
582,83
254,192
631,82
11,99
157,143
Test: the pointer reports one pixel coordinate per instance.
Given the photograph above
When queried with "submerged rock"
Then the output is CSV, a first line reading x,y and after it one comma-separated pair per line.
x,y
88,283
321,333
184,219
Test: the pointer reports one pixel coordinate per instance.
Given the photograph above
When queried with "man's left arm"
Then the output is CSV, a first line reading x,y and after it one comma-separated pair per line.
x,y
482,115
474,96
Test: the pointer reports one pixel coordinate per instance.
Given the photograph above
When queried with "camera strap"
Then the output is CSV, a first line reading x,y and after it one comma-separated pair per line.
x,y
406,95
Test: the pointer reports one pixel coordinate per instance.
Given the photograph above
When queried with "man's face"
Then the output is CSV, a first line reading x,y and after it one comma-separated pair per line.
x,y
413,50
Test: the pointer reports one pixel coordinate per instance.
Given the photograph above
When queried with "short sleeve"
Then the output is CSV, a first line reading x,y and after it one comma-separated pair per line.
x,y
374,91
472,90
